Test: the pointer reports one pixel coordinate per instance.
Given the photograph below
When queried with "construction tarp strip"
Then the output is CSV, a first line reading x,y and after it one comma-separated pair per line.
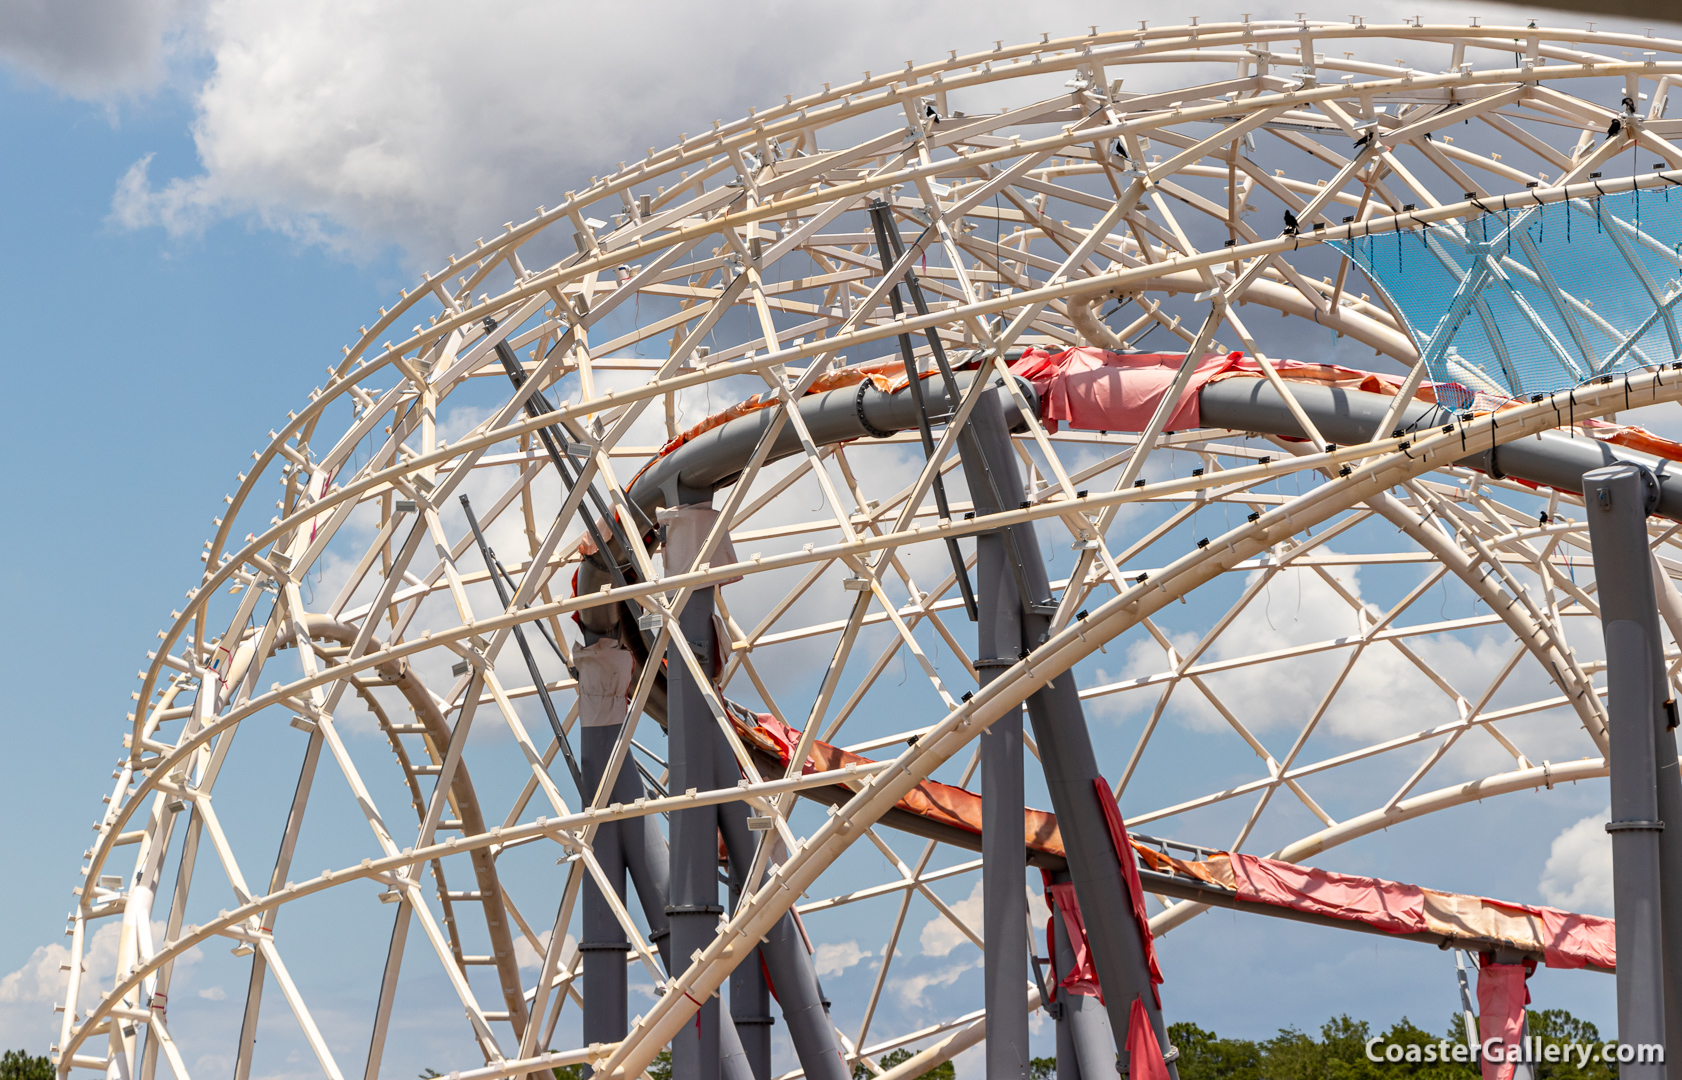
x,y
1563,939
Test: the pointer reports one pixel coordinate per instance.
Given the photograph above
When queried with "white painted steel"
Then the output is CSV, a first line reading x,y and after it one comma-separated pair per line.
x,y
343,602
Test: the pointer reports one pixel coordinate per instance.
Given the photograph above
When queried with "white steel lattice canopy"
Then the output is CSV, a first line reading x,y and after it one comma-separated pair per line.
x,y
1118,189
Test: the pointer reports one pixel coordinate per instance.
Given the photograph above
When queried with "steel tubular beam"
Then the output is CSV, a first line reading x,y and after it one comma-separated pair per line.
x,y
1004,908
750,1010
1066,753
693,908
1618,499
784,951
603,945
1085,1043
1349,417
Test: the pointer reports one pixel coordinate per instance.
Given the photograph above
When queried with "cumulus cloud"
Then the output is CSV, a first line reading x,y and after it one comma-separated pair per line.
x,y
832,959
912,991
1299,608
95,49
27,995
1578,874
939,937
426,124
530,959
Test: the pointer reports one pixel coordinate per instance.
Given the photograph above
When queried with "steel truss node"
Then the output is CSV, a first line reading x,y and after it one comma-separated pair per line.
x,y
1097,190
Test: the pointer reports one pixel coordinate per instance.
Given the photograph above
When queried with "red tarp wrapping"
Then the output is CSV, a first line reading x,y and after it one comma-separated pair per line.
x,y
1083,977
1565,939
1388,905
1130,872
1105,391
1502,996
1144,1053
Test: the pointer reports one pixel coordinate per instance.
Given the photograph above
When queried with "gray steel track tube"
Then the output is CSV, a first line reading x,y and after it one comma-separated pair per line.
x,y
1554,459
693,908
1618,499
1066,753
1004,904
1086,1047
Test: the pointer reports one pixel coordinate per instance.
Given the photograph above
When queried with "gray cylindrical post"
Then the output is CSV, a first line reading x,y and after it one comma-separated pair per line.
x,y
750,1010
694,908
1004,903
732,1057
1618,499
1065,746
1670,808
1086,1048
792,972
603,945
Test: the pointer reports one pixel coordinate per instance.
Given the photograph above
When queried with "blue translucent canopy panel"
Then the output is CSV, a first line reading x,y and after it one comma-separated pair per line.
x,y
1528,301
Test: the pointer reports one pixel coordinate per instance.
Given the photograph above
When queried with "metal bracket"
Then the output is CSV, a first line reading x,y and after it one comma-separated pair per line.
x,y
1634,826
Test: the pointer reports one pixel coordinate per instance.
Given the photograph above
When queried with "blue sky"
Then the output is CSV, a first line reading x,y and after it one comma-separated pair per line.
x,y
194,218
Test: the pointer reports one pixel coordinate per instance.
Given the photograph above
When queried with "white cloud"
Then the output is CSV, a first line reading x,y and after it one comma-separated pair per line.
x,y
1578,875
95,49
833,959
213,993
530,959
27,995
912,990
1299,608
939,937
361,125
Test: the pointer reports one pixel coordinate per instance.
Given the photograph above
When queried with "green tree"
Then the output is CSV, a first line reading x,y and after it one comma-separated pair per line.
x,y
661,1067
19,1065
1206,1056
1042,1068
943,1071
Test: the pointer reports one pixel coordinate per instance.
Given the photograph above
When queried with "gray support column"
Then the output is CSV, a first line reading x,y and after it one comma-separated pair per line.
x,y
1618,499
1004,904
603,945
1086,1047
794,978
604,672
694,908
750,1009
1065,745
732,1058
1670,809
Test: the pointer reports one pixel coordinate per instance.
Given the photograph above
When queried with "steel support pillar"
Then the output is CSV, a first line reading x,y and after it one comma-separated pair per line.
x,y
1065,745
750,1009
1004,904
693,908
1086,1047
1618,499
792,971
604,945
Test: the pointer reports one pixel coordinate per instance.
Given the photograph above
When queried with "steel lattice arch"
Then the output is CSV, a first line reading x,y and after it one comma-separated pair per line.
x,y
707,322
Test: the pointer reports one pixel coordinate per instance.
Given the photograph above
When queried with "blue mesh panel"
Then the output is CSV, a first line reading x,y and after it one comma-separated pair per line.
x,y
1522,302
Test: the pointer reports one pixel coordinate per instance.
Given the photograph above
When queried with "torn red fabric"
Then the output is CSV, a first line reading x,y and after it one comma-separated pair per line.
x,y
1130,871
1388,905
1502,996
1569,939
1144,1053
1083,977
1098,390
